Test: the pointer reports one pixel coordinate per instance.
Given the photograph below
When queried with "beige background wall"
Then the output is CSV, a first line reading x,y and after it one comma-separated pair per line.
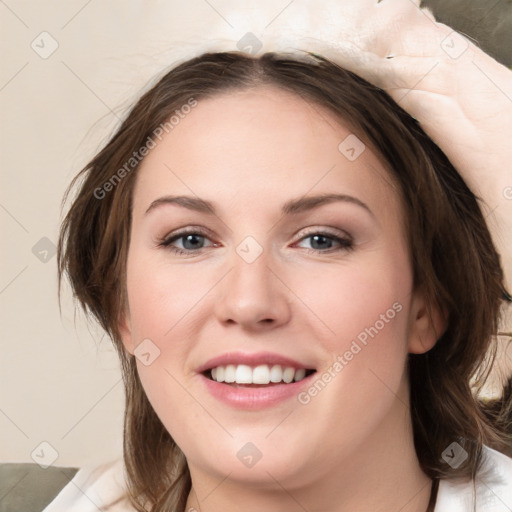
x,y
60,380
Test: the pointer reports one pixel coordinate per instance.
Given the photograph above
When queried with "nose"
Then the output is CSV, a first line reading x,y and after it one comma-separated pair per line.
x,y
254,295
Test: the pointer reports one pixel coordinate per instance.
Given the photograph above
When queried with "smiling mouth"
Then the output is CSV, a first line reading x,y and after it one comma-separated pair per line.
x,y
264,375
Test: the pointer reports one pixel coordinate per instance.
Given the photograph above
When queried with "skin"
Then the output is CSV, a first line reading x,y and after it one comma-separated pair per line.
x,y
351,447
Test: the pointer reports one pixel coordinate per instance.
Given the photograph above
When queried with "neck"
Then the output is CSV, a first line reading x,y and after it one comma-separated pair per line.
x,y
380,474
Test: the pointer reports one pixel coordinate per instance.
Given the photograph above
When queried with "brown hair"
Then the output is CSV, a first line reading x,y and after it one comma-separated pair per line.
x,y
453,257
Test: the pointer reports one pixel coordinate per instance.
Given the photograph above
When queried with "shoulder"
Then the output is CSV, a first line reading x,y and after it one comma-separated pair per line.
x,y
94,486
491,491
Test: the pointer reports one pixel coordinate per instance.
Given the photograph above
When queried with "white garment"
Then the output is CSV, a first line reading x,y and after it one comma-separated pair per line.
x,y
95,487
101,487
493,489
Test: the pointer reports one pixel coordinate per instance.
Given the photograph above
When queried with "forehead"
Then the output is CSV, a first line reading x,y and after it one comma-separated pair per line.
x,y
257,144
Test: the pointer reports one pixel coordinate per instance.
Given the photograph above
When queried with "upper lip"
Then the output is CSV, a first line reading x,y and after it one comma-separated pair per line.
x,y
254,359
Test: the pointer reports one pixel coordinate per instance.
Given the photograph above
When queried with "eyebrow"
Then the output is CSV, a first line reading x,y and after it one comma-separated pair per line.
x,y
291,207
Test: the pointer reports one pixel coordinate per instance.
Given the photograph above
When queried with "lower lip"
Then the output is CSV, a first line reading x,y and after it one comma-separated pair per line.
x,y
254,398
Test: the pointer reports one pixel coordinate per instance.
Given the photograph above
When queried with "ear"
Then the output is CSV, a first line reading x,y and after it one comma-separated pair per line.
x,y
125,329
427,324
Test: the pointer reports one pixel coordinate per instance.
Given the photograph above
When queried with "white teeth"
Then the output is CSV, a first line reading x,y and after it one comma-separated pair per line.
x,y
262,374
288,374
243,374
299,374
276,373
229,373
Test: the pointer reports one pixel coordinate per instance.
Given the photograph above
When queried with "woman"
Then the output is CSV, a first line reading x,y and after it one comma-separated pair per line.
x,y
262,373
300,287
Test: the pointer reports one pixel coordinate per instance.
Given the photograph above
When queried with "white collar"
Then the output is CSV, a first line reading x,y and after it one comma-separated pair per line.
x,y
493,488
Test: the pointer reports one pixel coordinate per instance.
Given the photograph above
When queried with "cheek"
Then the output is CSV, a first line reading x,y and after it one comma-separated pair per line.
x,y
361,303
161,307
366,309
161,297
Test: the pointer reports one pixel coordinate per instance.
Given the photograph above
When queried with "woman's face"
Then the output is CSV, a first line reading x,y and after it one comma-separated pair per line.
x,y
272,277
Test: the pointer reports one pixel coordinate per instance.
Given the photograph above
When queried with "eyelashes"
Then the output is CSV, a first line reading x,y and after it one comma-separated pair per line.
x,y
191,236
168,241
